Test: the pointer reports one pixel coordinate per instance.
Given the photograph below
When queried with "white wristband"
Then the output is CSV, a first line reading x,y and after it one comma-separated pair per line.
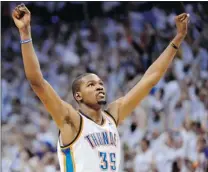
x,y
25,41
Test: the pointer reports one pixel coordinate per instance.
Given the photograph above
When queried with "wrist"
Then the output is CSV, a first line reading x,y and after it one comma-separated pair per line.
x,y
180,36
25,33
178,39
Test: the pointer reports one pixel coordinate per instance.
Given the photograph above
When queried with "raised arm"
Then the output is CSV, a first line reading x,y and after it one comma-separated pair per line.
x,y
58,109
122,107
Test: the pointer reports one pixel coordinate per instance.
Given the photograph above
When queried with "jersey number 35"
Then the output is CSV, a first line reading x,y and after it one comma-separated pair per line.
x,y
108,160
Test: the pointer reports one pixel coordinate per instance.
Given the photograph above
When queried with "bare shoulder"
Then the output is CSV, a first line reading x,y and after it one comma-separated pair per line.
x,y
72,124
72,117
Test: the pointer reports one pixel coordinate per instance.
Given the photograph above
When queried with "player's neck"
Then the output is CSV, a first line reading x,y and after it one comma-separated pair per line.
x,y
95,115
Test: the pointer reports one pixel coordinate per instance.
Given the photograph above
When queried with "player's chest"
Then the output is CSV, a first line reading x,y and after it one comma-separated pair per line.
x,y
101,136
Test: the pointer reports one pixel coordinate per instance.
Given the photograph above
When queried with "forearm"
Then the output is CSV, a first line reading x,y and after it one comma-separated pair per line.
x,y
162,63
30,60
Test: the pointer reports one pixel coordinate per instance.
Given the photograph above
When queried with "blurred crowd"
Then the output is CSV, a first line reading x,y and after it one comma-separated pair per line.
x,y
168,132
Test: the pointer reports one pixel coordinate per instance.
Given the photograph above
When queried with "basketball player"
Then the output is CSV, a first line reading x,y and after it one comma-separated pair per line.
x,y
89,140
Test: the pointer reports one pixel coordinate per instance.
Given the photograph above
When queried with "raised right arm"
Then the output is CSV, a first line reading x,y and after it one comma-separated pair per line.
x,y
59,110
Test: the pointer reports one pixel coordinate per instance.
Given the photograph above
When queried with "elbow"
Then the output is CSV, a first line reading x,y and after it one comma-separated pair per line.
x,y
35,79
36,83
155,78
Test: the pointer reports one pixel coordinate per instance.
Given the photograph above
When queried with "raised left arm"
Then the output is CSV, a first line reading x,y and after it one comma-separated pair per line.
x,y
125,105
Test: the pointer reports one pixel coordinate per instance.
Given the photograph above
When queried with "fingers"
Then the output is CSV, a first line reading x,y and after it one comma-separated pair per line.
x,y
186,20
15,14
22,7
15,17
182,17
19,11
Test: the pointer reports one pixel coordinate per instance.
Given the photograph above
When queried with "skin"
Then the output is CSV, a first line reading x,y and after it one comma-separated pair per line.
x,y
144,146
91,91
66,117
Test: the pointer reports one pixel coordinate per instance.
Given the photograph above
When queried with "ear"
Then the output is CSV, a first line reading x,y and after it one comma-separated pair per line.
x,y
78,96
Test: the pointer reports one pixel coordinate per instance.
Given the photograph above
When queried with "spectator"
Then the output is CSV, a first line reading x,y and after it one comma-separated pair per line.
x,y
144,159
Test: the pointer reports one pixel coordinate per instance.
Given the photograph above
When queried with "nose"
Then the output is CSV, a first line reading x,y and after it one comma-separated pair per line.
x,y
99,88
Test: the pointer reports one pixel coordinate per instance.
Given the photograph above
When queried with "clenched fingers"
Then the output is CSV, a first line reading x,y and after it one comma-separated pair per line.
x,y
186,20
182,17
19,11
22,7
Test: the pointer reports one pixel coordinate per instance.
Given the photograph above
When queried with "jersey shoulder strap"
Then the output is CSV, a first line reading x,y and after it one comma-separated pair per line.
x,y
111,116
76,137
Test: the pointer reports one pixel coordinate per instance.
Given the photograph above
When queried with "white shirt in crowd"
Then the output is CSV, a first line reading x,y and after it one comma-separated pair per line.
x,y
143,161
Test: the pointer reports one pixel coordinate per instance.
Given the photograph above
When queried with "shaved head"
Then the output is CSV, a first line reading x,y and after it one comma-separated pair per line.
x,y
89,89
77,83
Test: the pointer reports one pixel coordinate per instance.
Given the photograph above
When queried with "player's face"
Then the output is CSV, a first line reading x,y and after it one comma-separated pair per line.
x,y
92,90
